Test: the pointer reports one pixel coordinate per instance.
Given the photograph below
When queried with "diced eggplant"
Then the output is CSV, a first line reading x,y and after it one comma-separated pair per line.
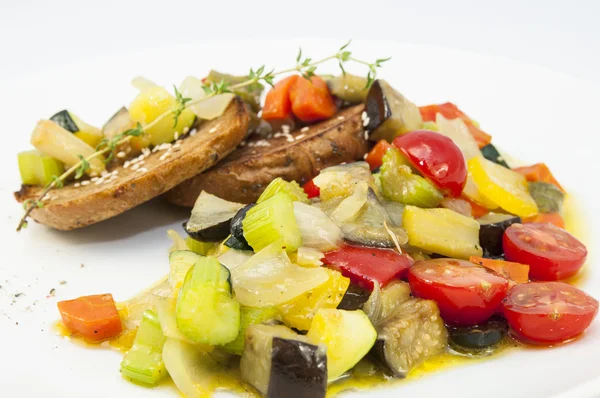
x,y
354,298
350,88
478,337
234,243
412,334
236,229
492,227
281,363
118,123
389,113
491,153
548,197
211,218
374,226
64,120
387,300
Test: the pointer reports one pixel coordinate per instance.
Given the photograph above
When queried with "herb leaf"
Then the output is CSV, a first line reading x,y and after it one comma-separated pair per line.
x,y
83,167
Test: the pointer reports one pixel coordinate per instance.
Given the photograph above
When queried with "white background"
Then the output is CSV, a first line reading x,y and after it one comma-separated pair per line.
x,y
560,35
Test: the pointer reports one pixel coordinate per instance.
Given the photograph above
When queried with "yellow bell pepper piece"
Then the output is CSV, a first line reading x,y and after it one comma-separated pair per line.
x,y
502,186
299,312
149,105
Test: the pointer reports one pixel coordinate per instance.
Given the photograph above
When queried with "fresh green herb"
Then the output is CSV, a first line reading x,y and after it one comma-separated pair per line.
x,y
180,100
84,166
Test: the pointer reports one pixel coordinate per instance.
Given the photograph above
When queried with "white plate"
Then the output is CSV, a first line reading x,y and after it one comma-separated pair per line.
x,y
534,114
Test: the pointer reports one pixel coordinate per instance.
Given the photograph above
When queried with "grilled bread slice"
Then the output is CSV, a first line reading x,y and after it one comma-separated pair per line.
x,y
299,156
80,204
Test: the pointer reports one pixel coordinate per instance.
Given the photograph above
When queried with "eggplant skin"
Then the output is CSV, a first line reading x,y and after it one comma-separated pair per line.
x,y
354,298
234,243
236,229
215,233
478,337
376,106
490,236
298,370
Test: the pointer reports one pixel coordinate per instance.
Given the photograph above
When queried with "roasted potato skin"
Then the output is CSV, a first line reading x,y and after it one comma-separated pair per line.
x,y
244,174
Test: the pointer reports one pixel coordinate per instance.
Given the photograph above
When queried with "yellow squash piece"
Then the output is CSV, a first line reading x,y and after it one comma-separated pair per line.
x,y
299,312
502,186
151,103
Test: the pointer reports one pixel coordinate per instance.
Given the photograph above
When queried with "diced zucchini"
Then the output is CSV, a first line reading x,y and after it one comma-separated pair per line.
x,y
121,122
152,103
548,197
272,221
250,316
199,247
37,169
299,312
54,141
507,188
491,153
206,312
87,133
280,185
348,335
442,231
399,184
211,218
143,362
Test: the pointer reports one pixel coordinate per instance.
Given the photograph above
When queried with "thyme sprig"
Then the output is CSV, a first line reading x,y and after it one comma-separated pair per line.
x,y
306,66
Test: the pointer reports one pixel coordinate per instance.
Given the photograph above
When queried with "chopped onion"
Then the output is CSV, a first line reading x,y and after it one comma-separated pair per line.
x,y
458,131
232,258
317,229
270,278
350,207
209,108
309,257
141,83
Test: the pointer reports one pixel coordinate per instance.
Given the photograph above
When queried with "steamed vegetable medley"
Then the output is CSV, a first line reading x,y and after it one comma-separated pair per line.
x,y
433,245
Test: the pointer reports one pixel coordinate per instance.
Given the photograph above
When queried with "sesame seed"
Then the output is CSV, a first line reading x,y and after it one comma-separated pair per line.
x,y
141,157
141,163
126,164
304,129
99,181
363,115
134,161
278,134
300,136
135,167
212,130
366,134
121,154
94,179
104,173
177,144
163,157
243,143
146,151
285,128
84,183
176,136
115,172
366,122
365,155
155,149
193,133
143,170
290,139
93,174
77,185
341,118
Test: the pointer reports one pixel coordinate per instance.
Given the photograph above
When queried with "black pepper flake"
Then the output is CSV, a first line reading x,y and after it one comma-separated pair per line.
x,y
52,292
19,294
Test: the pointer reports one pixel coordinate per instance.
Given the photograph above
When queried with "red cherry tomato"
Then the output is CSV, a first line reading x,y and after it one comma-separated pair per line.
x,y
549,312
466,294
551,252
364,265
437,157
311,189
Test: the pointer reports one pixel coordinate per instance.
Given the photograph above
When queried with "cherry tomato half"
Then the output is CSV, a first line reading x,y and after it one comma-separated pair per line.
x,y
437,157
466,294
549,312
551,252
311,189
364,265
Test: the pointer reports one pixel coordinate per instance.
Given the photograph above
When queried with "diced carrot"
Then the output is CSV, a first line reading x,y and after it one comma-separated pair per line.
x,y
552,218
538,172
516,272
93,318
375,156
311,100
278,104
451,111
476,209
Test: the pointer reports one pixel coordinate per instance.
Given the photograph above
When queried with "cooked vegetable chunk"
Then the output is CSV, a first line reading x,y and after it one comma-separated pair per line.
x,y
250,316
389,113
93,318
492,227
211,218
280,185
143,362
389,298
514,272
478,337
442,231
348,87
317,229
548,197
491,153
206,311
354,298
412,334
538,172
85,132
37,169
348,335
236,228
249,94
272,221
505,187
281,363
451,111
311,100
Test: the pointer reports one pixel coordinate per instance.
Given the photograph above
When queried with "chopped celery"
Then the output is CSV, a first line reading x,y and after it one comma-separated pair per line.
x,y
348,335
299,312
199,247
143,363
505,187
180,262
399,184
206,313
280,185
37,169
442,231
272,221
53,140
250,316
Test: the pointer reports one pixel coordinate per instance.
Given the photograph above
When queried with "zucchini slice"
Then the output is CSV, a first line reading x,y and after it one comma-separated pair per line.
x,y
37,169
87,133
491,153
